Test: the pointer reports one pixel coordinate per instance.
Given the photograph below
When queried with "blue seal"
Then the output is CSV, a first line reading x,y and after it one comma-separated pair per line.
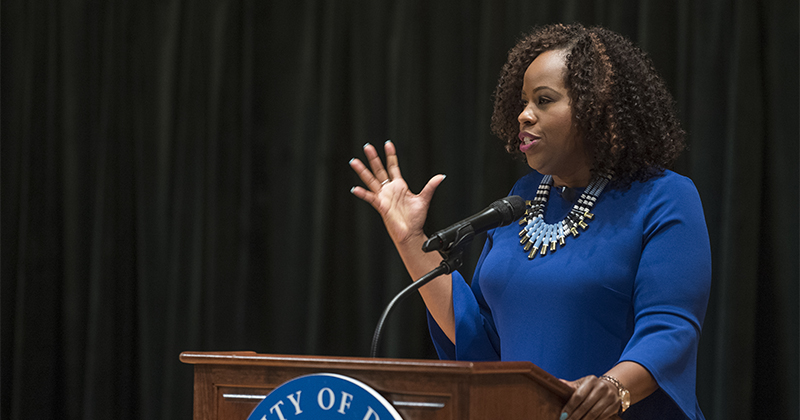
x,y
324,396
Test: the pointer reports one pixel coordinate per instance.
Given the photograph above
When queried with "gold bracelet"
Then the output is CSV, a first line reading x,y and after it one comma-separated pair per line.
x,y
624,395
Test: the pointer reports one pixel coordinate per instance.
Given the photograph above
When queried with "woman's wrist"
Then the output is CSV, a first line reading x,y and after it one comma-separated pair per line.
x,y
623,393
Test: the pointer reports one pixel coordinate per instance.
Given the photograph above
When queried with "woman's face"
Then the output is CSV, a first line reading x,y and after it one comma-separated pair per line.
x,y
551,142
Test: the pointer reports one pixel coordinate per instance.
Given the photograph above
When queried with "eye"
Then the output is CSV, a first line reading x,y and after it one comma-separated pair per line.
x,y
543,100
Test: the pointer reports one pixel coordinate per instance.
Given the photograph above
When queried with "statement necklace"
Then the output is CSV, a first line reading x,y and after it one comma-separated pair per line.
x,y
538,236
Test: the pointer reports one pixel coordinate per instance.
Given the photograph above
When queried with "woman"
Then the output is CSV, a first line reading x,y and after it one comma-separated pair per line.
x,y
614,310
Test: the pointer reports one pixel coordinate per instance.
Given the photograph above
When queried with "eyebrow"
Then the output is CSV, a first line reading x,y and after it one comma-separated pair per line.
x,y
538,88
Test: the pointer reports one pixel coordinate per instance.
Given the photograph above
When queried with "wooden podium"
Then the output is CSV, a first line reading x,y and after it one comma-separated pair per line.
x,y
228,386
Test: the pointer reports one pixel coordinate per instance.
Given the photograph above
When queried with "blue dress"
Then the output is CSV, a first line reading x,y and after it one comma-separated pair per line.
x,y
634,287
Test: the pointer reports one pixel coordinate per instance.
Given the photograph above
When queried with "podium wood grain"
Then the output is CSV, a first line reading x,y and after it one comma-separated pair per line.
x,y
227,385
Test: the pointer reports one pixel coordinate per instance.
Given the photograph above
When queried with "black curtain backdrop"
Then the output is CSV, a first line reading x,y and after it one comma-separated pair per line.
x,y
175,177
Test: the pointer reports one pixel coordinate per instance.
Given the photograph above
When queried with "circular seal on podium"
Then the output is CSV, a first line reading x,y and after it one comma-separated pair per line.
x,y
323,396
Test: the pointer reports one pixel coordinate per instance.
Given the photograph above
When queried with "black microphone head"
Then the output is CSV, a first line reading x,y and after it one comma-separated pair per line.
x,y
511,208
500,213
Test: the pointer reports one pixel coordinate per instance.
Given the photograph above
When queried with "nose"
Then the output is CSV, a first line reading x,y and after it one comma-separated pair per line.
x,y
526,116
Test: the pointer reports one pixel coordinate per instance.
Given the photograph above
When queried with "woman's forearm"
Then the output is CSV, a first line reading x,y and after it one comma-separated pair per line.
x,y
438,294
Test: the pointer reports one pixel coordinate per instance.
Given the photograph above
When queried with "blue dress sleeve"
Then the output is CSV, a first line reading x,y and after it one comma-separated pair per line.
x,y
671,291
476,336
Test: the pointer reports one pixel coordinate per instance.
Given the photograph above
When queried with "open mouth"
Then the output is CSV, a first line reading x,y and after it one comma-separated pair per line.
x,y
528,140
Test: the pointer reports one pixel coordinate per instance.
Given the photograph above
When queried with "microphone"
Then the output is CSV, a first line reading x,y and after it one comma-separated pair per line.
x,y
500,213
450,243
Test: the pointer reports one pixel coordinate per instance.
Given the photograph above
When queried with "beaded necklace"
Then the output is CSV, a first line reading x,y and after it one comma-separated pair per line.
x,y
538,235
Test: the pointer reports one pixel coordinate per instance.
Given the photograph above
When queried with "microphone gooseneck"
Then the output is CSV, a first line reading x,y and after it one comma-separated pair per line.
x,y
450,244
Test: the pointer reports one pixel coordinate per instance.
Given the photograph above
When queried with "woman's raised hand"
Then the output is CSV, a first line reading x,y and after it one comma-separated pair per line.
x,y
403,212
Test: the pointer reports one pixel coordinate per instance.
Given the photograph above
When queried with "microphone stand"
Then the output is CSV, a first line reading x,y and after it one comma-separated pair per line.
x,y
452,261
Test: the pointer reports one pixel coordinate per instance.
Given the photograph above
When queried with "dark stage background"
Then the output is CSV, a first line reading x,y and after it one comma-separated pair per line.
x,y
175,177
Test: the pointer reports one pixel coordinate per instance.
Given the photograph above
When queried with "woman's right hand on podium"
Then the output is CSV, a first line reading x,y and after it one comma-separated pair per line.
x,y
402,211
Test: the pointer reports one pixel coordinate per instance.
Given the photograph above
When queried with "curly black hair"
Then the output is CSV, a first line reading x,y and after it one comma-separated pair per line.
x,y
619,102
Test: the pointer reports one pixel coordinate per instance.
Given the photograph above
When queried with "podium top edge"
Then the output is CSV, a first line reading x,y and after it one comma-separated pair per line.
x,y
251,358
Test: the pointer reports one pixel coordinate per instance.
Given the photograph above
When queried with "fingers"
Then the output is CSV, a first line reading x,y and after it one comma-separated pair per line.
x,y
364,194
593,399
378,171
376,175
365,174
429,188
391,160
